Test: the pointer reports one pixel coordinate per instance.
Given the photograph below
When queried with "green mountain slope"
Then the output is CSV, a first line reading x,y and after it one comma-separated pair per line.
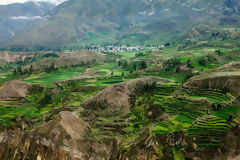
x,y
75,21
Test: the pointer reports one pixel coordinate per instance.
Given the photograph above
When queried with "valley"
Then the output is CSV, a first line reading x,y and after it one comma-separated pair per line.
x,y
143,103
120,80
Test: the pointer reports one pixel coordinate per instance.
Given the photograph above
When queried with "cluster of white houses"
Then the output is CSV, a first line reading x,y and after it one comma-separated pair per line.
x,y
123,48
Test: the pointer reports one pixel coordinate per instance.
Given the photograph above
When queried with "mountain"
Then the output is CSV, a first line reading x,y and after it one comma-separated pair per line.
x,y
16,16
112,21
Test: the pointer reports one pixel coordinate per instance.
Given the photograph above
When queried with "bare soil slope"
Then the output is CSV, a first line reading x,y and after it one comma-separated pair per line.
x,y
66,123
119,95
8,57
226,77
71,58
14,89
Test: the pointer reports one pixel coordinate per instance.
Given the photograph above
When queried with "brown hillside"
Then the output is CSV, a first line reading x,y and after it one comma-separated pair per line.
x,y
66,123
119,94
7,57
226,77
71,58
14,89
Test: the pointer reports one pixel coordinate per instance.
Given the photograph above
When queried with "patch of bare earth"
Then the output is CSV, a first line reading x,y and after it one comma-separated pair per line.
x,y
14,89
71,58
89,73
119,95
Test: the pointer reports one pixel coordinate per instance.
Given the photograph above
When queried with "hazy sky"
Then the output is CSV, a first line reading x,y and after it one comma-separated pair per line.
x,y
5,2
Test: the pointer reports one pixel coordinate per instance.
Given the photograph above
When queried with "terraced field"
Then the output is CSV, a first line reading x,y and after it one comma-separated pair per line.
x,y
214,96
110,127
182,107
12,108
203,125
208,130
164,91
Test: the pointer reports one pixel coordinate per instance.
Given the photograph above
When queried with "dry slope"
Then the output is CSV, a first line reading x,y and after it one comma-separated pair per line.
x,y
14,89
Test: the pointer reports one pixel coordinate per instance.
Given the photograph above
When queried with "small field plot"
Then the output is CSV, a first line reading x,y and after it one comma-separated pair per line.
x,y
214,96
62,74
6,76
182,107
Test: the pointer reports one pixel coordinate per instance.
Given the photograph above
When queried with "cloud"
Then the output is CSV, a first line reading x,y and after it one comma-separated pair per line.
x,y
6,2
25,17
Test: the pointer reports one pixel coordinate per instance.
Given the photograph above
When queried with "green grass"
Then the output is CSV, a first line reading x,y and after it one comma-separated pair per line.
x,y
178,155
226,112
184,119
176,123
94,38
131,55
59,75
6,76
7,113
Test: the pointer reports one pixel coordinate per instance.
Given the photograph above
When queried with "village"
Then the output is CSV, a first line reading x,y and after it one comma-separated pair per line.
x,y
123,48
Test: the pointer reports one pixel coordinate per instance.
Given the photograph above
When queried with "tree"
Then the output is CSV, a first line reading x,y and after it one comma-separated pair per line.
x,y
52,67
14,72
188,76
134,67
125,64
19,70
25,71
211,58
47,99
202,61
143,65
218,52
31,69
189,65
177,69
122,75
112,74
94,61
119,63
230,118
172,62
167,44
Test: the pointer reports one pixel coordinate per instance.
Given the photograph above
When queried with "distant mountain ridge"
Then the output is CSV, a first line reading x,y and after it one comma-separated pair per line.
x,y
16,16
74,20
